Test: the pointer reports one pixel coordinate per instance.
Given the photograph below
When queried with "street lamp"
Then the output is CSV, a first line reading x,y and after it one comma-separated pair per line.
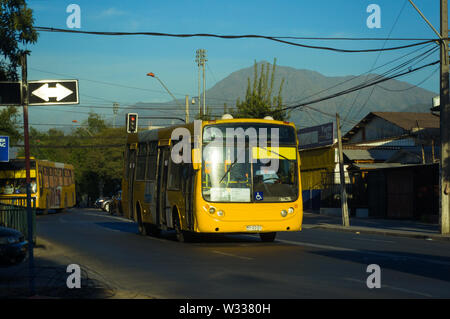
x,y
165,87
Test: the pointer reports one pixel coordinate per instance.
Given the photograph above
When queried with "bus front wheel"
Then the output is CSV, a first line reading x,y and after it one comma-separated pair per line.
x,y
182,236
267,237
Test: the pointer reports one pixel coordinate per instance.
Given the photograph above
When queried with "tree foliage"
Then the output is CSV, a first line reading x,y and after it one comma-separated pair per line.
x,y
94,149
9,124
16,27
259,100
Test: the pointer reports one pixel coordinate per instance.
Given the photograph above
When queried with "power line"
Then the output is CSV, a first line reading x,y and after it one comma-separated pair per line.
x,y
426,55
358,76
374,63
413,86
359,87
276,39
117,85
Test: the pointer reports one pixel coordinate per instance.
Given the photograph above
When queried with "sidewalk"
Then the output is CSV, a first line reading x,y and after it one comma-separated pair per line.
x,y
402,228
51,275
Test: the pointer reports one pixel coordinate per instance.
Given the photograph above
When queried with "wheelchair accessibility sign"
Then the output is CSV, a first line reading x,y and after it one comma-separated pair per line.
x,y
259,196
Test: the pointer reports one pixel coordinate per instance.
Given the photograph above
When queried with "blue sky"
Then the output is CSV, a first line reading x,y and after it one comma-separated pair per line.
x,y
126,60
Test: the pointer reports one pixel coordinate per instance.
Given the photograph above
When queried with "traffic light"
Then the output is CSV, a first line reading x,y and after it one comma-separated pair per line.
x,y
132,122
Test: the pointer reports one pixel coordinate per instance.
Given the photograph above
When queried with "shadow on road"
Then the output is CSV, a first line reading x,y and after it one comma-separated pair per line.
x,y
132,228
50,282
436,267
120,226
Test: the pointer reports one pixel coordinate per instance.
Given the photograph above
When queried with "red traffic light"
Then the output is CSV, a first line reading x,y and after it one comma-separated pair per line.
x,y
132,126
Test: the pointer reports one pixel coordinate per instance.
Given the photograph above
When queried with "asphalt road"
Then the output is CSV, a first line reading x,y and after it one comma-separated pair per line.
x,y
313,263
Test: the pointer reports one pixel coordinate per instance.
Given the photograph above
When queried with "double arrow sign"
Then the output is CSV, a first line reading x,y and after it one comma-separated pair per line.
x,y
41,92
53,92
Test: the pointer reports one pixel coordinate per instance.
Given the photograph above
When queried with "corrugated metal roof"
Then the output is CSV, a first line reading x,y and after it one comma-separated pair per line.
x,y
410,120
406,120
367,166
372,154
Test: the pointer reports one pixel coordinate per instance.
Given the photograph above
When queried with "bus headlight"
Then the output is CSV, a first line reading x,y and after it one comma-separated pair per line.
x,y
212,210
220,213
291,210
284,213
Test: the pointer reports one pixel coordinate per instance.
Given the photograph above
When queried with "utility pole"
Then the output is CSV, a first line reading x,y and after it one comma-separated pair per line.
x,y
204,84
344,206
444,163
444,124
115,111
23,61
200,58
187,108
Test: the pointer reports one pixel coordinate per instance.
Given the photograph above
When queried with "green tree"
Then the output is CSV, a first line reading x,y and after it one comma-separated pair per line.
x,y
91,148
258,101
9,124
16,27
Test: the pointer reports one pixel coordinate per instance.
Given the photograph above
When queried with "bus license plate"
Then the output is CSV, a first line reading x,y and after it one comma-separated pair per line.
x,y
254,228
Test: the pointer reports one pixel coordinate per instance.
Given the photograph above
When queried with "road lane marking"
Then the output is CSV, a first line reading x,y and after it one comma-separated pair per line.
x,y
122,219
298,243
393,288
374,240
231,255
384,254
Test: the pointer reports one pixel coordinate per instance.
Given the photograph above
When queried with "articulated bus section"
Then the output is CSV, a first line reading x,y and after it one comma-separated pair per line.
x,y
52,184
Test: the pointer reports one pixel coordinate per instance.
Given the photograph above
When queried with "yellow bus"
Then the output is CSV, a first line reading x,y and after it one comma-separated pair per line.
x,y
52,184
214,193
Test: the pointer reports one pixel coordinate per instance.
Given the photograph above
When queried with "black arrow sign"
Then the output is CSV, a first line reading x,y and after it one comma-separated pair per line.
x,y
53,92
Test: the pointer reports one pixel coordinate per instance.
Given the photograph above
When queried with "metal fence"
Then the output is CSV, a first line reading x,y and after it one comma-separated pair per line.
x,y
13,214
355,186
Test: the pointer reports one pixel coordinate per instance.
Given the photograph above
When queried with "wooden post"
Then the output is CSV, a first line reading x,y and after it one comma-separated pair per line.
x,y
344,205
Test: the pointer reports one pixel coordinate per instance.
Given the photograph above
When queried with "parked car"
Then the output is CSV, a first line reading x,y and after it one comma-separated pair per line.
x,y
13,246
100,202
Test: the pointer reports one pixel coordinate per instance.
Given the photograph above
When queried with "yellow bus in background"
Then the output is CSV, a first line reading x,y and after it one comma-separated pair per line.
x,y
214,193
52,184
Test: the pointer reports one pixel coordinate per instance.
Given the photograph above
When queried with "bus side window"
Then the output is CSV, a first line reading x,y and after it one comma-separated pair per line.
x,y
41,183
174,176
46,177
141,162
60,177
152,161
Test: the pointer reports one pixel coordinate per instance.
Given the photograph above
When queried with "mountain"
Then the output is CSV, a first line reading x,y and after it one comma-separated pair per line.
x,y
303,85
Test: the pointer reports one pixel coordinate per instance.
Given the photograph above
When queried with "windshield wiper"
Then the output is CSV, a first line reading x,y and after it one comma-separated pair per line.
x,y
228,170
274,153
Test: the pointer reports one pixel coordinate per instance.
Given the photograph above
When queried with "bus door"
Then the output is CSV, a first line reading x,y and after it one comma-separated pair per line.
x,y
131,175
188,191
163,166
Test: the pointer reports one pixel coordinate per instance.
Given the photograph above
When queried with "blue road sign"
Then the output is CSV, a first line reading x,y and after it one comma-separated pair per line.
x,y
4,148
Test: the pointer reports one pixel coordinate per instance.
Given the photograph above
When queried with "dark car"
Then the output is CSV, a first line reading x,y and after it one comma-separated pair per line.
x,y
13,246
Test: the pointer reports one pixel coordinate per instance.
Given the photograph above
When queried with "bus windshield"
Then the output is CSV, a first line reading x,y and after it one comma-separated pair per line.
x,y
249,173
12,177
16,186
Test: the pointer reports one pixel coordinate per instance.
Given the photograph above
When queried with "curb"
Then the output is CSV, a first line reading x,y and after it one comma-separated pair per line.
x,y
378,231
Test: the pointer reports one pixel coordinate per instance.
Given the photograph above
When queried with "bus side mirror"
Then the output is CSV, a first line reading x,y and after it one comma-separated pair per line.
x,y
196,159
